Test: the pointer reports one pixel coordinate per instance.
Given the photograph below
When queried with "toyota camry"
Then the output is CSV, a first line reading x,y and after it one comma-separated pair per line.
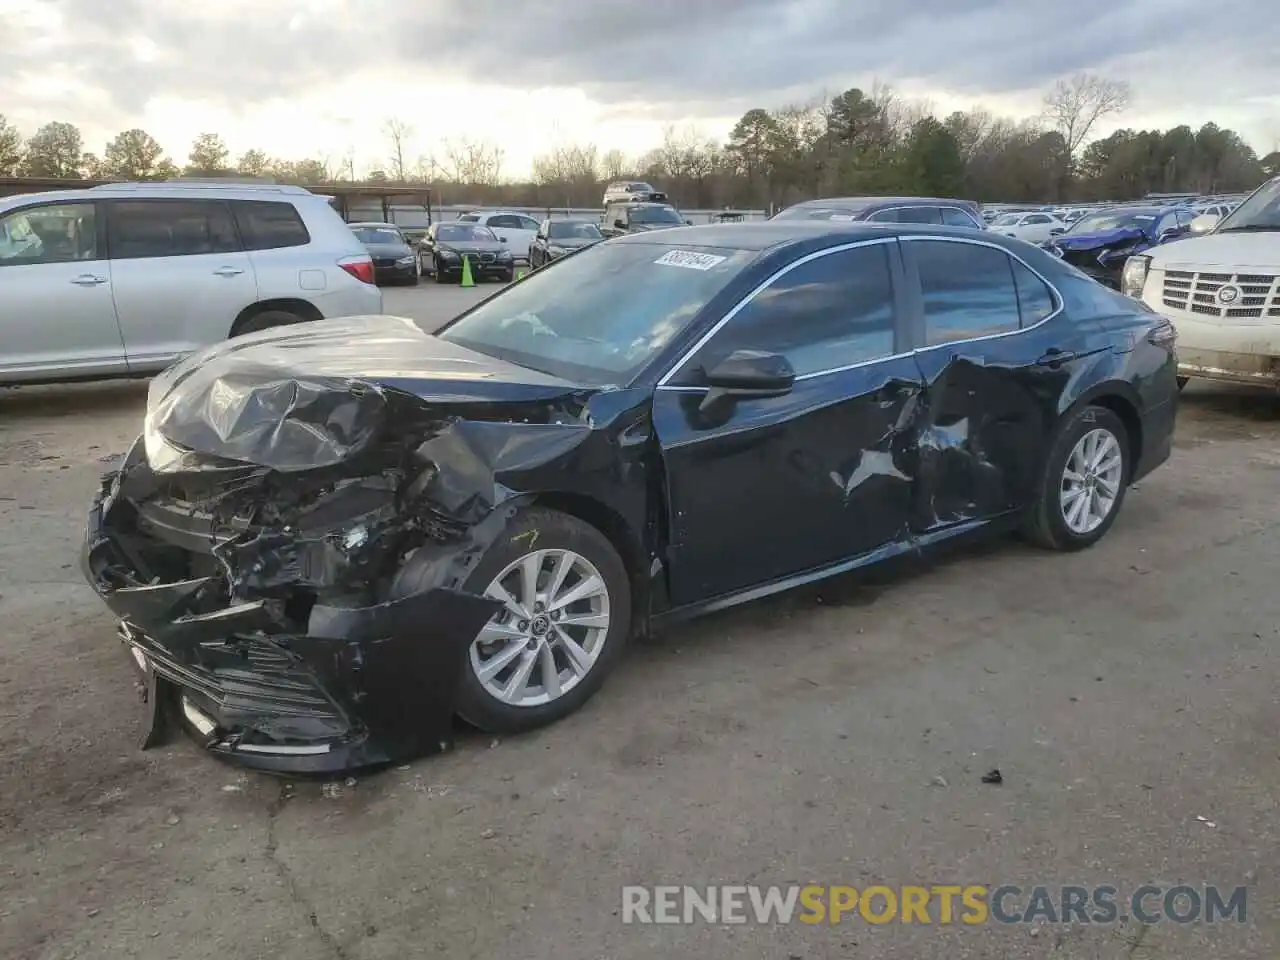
x,y
329,540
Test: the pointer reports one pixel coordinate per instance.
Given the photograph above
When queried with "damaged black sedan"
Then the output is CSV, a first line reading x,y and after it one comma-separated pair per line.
x,y
331,539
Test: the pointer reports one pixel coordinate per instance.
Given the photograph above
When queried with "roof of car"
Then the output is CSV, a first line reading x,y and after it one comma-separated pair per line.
x,y
373,223
864,202
230,190
766,234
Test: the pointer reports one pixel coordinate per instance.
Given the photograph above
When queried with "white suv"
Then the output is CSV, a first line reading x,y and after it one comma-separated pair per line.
x,y
123,279
515,230
1221,290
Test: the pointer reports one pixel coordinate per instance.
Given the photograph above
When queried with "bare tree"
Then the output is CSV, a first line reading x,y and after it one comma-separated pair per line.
x,y
1075,105
398,134
473,162
614,165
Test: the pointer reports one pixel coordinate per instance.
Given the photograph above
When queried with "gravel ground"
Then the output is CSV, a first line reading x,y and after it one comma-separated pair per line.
x,y
836,735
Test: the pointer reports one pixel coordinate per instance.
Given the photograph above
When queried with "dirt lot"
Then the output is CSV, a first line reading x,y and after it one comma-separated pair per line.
x,y
835,735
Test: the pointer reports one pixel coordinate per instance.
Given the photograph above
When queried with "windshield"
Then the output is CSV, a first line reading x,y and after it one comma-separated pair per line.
x,y
378,234
1006,220
569,230
1261,211
818,213
599,316
1112,220
465,232
654,215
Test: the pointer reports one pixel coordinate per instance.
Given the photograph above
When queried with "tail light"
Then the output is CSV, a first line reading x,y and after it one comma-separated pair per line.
x,y
359,267
1163,334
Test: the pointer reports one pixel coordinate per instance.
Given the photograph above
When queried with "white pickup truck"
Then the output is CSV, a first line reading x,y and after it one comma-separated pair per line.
x,y
1221,289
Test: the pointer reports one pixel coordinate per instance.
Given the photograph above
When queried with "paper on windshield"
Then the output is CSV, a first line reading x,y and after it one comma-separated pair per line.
x,y
689,260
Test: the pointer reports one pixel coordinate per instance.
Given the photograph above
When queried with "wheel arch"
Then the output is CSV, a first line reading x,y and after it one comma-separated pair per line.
x,y
1121,399
295,305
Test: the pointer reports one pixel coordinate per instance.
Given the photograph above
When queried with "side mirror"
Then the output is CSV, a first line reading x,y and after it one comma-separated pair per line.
x,y
1204,223
1054,231
620,224
1167,234
689,222
746,374
502,239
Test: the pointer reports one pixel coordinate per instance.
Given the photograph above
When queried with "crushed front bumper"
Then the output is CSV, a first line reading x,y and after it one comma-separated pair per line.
x,y
361,686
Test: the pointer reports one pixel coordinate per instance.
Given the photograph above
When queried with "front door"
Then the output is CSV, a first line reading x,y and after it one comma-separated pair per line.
x,y
57,316
763,489
180,275
995,356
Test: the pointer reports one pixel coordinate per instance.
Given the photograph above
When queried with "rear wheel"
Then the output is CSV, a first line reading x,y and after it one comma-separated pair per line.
x,y
266,320
1086,475
566,613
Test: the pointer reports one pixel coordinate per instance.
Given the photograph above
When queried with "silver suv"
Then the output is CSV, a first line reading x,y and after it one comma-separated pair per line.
x,y
122,279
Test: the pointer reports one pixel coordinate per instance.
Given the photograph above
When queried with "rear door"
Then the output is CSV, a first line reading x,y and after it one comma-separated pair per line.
x,y
995,363
180,276
57,317
765,489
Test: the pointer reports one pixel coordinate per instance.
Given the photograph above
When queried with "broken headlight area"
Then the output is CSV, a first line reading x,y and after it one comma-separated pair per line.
x,y
310,621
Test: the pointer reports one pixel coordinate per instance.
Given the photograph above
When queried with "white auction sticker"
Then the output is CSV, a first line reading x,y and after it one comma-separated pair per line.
x,y
689,259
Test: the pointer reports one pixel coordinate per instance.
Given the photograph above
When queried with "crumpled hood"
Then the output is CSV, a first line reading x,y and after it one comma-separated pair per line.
x,y
312,395
1103,238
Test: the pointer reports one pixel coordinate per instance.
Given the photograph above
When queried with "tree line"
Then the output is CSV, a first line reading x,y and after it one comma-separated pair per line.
x,y
857,142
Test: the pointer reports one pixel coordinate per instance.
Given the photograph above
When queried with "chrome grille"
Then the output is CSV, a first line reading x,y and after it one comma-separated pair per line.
x,y
487,258
1258,297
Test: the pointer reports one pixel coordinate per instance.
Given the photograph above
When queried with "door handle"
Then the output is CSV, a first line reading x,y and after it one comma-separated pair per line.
x,y
227,272
88,280
1053,357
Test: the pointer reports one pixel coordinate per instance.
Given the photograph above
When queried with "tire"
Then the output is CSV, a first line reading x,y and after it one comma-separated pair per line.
x,y
439,274
507,276
1182,382
1046,523
541,530
266,320
413,281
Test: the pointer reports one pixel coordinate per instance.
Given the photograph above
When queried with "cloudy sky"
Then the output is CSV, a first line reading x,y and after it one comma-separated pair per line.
x,y
301,78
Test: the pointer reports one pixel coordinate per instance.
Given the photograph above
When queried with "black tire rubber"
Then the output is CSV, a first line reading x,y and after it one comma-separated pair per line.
x,y
266,320
547,529
1182,382
440,275
1044,524
507,276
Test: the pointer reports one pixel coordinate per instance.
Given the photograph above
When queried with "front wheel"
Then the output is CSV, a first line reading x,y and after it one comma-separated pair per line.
x,y
1086,474
565,617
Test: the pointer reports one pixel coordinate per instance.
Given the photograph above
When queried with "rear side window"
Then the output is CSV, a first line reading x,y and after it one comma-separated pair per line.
x,y
919,215
137,229
505,222
1035,299
955,217
835,310
968,290
269,225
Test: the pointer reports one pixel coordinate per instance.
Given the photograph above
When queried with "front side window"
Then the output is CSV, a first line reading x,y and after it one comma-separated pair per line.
x,y
56,233
1037,218
968,290
137,229
526,223
919,215
601,315
830,312
573,230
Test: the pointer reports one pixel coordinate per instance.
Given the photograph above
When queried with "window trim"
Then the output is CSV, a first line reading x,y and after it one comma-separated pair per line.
x,y
912,280
99,229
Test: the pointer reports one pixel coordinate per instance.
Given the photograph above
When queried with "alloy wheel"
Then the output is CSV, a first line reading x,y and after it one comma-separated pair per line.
x,y
1091,481
550,631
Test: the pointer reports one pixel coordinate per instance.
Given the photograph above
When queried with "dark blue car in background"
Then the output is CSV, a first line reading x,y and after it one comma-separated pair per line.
x,y
1099,243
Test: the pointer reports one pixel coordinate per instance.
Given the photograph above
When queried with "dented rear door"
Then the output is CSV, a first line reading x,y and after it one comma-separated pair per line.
x,y
996,355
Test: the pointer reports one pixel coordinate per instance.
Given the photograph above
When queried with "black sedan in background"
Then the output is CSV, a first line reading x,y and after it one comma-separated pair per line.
x,y
394,261
332,537
555,238
446,244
